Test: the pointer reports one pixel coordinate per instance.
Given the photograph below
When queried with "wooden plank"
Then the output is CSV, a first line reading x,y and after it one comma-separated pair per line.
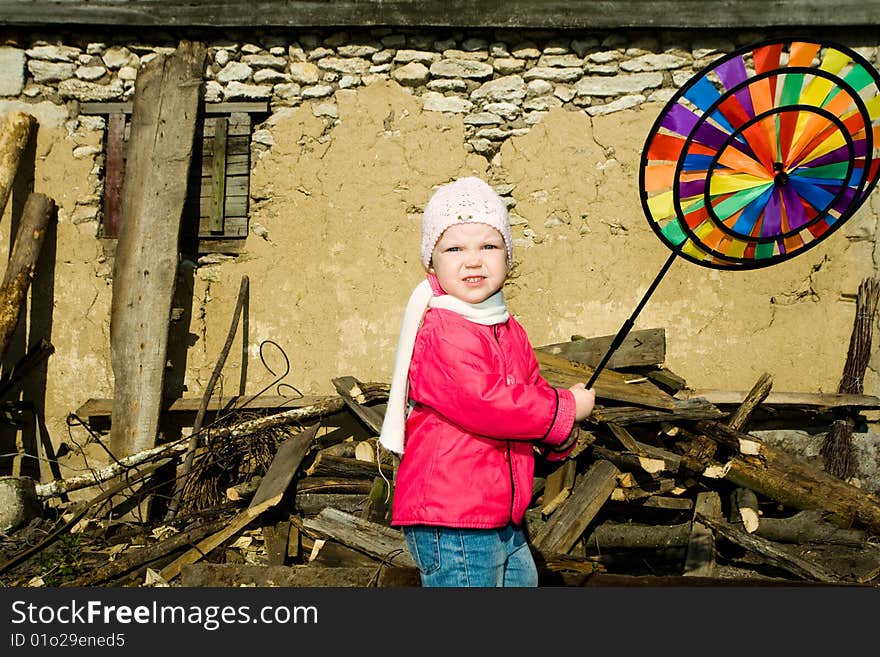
x,y
113,173
794,400
562,372
280,473
639,348
218,177
700,557
95,407
153,194
564,527
547,14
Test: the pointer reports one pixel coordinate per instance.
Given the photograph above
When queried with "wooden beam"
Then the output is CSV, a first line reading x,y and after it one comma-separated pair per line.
x,y
38,211
153,193
700,557
547,14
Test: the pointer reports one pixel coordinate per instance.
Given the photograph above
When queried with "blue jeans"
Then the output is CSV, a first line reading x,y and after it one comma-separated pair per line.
x,y
448,556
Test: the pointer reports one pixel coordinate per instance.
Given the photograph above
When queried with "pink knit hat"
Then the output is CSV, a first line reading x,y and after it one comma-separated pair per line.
x,y
469,200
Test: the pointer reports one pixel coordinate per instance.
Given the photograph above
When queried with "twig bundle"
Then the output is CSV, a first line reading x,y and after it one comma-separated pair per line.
x,y
836,448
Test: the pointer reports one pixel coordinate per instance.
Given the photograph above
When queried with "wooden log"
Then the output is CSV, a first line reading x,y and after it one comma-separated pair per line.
x,y
634,536
791,480
628,461
160,148
560,371
244,490
745,502
770,552
381,542
327,465
311,504
671,461
564,527
700,556
16,129
323,408
806,527
740,418
639,348
647,489
37,213
691,409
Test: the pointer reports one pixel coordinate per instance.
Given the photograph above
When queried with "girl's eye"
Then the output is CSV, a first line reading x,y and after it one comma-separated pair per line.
x,y
490,246
453,249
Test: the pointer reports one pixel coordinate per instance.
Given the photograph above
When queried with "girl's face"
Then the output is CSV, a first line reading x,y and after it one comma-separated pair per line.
x,y
470,261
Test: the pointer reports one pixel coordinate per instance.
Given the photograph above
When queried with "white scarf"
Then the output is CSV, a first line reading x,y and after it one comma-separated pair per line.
x,y
488,312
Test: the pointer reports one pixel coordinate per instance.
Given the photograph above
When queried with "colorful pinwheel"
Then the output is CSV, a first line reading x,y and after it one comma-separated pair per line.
x,y
763,153
760,156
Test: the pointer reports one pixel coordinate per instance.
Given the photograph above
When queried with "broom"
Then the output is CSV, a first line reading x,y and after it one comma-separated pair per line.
x,y
836,449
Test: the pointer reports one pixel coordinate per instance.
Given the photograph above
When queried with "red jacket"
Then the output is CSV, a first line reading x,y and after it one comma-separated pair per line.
x,y
480,407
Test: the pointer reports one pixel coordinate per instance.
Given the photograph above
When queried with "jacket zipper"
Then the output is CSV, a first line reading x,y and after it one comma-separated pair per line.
x,y
509,456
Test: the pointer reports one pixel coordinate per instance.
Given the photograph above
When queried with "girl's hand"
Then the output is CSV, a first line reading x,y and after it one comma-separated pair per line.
x,y
584,400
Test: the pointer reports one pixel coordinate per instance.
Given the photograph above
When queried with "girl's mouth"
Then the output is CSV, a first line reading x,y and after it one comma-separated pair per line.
x,y
472,280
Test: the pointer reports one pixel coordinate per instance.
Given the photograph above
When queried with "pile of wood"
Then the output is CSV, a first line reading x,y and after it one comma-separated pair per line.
x,y
666,485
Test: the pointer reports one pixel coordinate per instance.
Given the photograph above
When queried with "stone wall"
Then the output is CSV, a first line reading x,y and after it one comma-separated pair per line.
x,y
363,125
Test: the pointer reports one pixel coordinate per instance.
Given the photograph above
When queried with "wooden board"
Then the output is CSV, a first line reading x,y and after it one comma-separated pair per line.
x,y
547,14
153,194
639,348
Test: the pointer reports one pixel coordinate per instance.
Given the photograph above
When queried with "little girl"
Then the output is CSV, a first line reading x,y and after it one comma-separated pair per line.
x,y
467,402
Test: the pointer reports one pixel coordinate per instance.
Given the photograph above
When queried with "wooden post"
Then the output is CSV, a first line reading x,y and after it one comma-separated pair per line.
x,y
163,122
15,132
38,210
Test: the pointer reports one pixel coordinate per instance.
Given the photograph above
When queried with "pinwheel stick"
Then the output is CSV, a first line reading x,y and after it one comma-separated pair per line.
x,y
628,324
